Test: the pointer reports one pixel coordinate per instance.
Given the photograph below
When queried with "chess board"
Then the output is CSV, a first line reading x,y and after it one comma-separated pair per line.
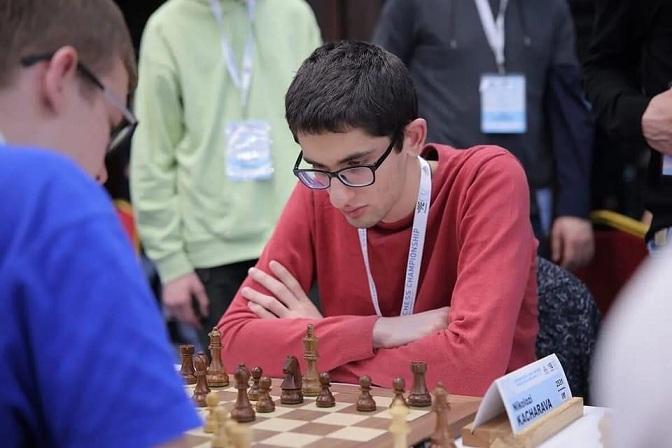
x,y
306,425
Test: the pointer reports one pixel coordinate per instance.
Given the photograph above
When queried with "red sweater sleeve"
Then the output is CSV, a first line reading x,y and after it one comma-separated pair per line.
x,y
247,338
496,262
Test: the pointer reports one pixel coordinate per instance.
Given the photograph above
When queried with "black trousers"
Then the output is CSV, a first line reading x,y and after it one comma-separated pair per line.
x,y
221,285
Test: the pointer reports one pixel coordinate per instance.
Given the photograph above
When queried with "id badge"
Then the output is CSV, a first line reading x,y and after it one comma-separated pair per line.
x,y
503,106
667,165
248,150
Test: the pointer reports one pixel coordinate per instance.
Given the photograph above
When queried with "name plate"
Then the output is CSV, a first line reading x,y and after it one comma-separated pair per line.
x,y
526,394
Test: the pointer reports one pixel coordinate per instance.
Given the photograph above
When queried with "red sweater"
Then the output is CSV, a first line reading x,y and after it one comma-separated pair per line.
x,y
479,259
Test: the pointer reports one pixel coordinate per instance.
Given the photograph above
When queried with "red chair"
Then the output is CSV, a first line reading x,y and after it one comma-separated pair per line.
x,y
125,213
619,250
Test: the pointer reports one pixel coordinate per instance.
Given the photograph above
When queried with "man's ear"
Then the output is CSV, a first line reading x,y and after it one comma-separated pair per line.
x,y
415,134
59,78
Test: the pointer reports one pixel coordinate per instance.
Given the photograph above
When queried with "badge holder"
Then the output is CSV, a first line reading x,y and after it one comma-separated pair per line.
x,y
248,150
503,104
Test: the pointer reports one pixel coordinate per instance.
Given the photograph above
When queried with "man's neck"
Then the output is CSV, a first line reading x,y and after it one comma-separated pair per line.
x,y
409,196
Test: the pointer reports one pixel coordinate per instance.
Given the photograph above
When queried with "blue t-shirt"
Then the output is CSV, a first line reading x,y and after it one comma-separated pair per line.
x,y
84,355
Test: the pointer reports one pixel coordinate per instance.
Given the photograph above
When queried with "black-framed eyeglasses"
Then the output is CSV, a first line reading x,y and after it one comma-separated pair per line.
x,y
353,176
122,132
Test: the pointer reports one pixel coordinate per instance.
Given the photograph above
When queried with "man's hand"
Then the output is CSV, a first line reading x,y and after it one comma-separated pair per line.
x,y
288,300
391,332
177,296
572,244
657,122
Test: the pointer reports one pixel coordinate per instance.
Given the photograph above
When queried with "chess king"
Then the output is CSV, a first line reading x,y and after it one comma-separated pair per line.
x,y
419,251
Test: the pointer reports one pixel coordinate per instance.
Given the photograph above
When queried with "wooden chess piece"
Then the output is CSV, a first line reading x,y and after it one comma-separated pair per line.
x,y
399,386
242,411
419,396
311,384
217,376
441,438
244,367
239,435
325,399
253,393
201,390
221,438
365,402
399,426
291,384
212,401
187,368
265,403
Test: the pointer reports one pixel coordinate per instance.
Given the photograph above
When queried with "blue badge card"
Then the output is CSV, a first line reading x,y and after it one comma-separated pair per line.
x,y
526,394
503,105
667,165
248,150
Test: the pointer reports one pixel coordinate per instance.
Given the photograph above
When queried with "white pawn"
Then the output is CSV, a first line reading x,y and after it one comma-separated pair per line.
x,y
239,434
399,426
221,439
211,420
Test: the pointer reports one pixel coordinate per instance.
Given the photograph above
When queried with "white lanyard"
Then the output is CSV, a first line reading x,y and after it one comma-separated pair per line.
x,y
241,79
416,247
494,29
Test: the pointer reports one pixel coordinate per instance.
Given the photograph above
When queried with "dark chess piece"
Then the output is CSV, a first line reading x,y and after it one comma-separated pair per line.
x,y
244,367
217,376
201,390
325,399
253,393
365,402
187,368
399,386
291,385
419,396
242,411
441,438
265,403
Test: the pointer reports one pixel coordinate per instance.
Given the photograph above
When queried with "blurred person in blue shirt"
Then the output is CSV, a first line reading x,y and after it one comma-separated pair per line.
x,y
86,358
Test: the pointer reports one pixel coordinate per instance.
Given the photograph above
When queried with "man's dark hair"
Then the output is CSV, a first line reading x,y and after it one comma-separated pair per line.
x,y
351,85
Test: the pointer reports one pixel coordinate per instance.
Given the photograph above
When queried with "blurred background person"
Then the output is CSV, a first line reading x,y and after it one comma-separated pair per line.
x,y
211,160
627,76
505,72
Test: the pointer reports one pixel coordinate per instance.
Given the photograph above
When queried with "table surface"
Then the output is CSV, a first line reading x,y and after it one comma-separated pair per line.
x,y
583,432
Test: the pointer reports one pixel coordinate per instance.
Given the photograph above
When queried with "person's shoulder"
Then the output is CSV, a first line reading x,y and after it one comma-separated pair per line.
x,y
173,14
292,7
46,183
476,156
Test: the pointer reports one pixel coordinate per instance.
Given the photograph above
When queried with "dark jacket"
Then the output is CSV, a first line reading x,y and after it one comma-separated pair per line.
x,y
629,62
444,45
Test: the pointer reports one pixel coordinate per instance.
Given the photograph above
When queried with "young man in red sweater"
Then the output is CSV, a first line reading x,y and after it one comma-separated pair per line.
x,y
420,252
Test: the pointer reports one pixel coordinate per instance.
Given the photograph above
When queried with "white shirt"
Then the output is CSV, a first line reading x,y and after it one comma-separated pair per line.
x,y
633,361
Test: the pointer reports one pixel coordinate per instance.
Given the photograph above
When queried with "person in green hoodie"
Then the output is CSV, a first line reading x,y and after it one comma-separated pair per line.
x,y
211,161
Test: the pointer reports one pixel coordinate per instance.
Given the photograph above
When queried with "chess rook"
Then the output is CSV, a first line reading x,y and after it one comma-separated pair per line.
x,y
217,376
187,368
419,396
311,384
